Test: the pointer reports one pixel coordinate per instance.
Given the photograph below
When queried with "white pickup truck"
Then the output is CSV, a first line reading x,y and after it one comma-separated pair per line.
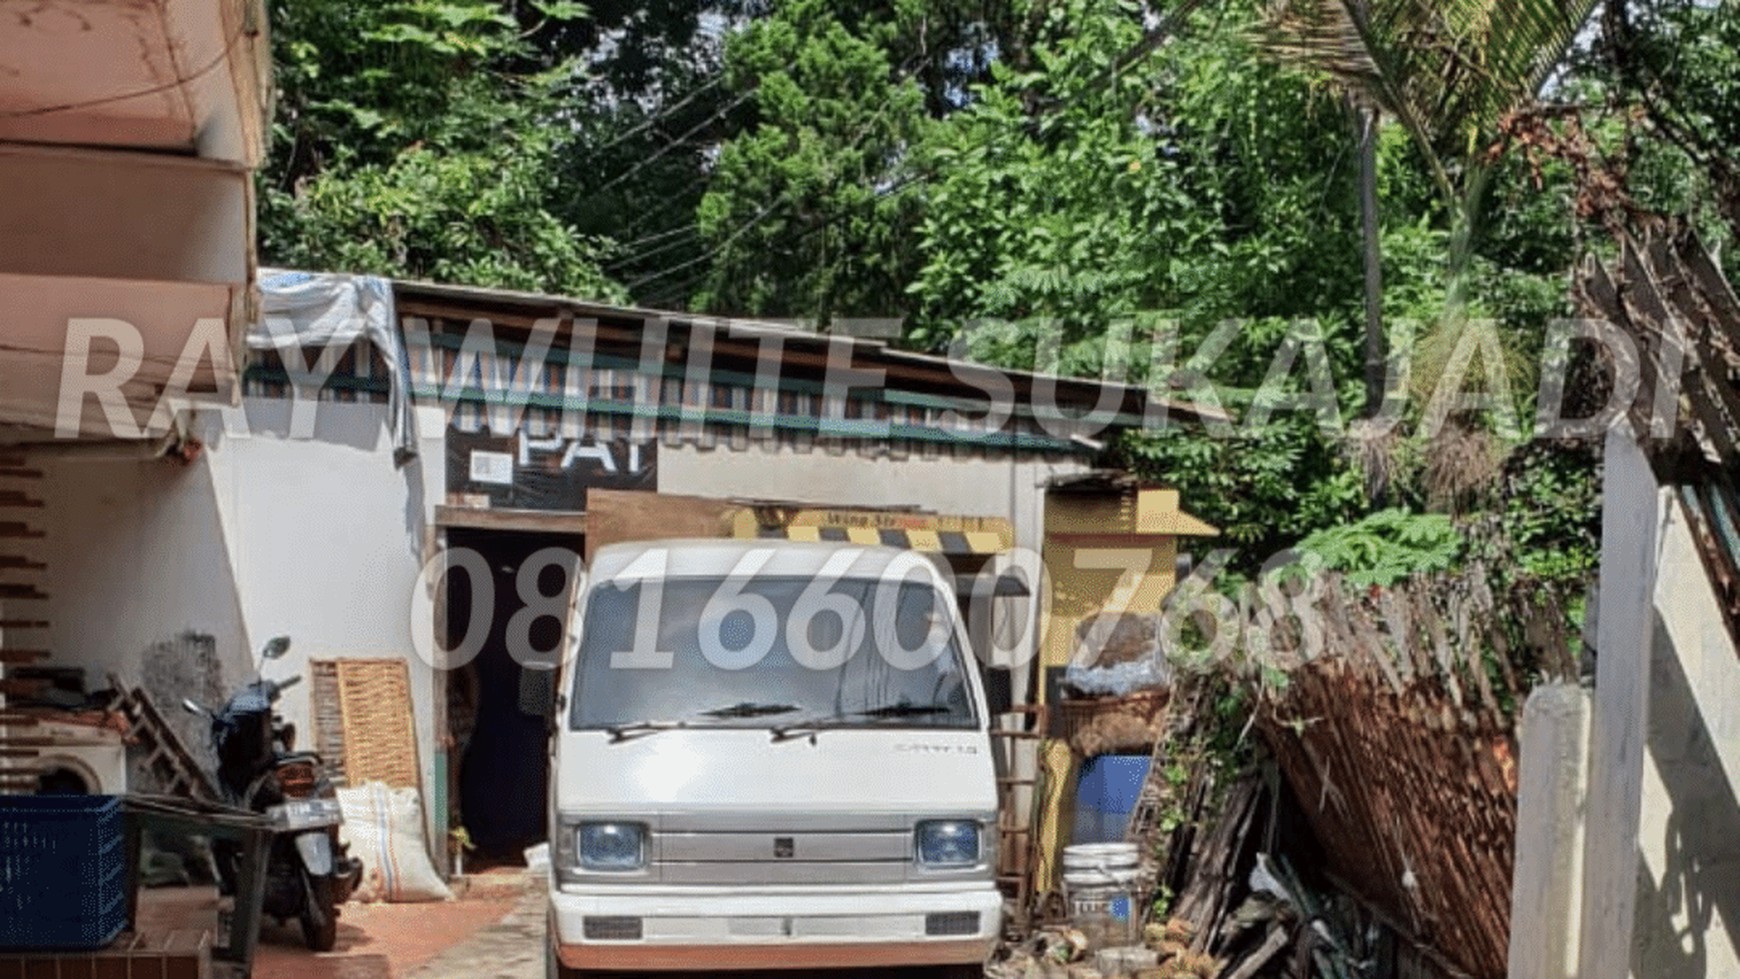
x,y
770,755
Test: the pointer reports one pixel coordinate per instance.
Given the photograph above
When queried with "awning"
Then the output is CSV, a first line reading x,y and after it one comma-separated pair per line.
x,y
951,536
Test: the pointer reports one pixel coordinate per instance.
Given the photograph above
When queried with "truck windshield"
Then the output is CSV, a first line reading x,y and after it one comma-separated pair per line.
x,y
769,653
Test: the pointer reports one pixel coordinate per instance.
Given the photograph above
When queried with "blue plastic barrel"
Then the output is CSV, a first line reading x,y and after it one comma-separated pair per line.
x,y
1106,791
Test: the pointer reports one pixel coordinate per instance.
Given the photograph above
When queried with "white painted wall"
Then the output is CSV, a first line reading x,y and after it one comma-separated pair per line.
x,y
963,486
1688,902
1662,879
323,538
320,538
967,486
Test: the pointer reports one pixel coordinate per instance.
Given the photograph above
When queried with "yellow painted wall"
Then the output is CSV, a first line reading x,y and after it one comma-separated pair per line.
x,y
1102,553
1082,586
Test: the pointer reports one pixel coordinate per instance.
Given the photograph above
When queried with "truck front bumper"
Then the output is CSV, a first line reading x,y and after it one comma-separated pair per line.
x,y
722,931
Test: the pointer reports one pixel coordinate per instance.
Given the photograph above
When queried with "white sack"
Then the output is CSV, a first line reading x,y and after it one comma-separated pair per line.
x,y
384,828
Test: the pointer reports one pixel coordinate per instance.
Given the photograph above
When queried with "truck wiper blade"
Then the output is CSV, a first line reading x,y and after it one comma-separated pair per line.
x,y
797,729
749,709
902,710
622,732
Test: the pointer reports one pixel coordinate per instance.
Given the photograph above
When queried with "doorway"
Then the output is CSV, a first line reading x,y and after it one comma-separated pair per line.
x,y
500,752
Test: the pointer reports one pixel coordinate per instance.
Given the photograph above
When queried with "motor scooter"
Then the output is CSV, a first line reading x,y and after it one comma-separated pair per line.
x,y
308,872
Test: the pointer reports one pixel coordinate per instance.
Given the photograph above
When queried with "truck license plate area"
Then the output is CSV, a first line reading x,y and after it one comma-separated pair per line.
x,y
759,927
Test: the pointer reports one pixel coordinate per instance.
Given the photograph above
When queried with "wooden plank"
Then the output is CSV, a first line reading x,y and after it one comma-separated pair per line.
x,y
528,521
24,623
327,714
17,472
18,562
12,687
615,516
33,742
19,531
21,592
17,656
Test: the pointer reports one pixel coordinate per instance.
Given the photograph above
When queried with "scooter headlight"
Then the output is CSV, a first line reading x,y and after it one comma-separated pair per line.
x,y
611,847
948,843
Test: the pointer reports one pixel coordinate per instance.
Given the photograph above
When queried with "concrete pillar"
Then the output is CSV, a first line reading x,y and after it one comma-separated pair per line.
x,y
1625,630
1547,891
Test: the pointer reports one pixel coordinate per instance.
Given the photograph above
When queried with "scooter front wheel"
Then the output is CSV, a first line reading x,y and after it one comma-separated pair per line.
x,y
320,916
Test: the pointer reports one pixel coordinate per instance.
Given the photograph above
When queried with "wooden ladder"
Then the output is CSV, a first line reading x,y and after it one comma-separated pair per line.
x,y
177,772
1019,853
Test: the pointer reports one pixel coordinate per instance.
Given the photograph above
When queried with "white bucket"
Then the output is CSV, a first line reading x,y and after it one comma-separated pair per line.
x,y
1099,880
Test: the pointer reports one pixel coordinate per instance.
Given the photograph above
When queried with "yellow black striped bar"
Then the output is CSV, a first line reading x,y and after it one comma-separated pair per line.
x,y
948,542
931,533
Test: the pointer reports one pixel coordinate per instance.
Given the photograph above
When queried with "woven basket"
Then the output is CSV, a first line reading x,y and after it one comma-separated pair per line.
x,y
1112,725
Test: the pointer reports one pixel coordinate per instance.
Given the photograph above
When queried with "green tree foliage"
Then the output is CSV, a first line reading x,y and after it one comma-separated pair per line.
x,y
808,208
1044,184
418,139
1201,184
1677,63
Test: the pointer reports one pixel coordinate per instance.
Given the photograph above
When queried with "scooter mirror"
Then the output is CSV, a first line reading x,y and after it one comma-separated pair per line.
x,y
276,647
191,707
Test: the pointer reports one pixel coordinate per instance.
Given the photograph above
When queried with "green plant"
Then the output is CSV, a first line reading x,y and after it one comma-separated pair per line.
x,y
1384,548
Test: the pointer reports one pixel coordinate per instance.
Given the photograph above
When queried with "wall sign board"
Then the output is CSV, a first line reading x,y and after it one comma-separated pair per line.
x,y
522,472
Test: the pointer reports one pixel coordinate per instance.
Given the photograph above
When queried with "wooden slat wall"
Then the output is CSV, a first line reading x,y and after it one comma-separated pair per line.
x,y
327,711
22,619
380,736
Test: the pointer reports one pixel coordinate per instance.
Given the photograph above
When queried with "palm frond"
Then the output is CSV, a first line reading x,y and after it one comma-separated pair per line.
x,y
1448,70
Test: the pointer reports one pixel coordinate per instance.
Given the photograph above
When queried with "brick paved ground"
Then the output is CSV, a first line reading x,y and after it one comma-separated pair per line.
x,y
512,947
375,941
381,941
495,932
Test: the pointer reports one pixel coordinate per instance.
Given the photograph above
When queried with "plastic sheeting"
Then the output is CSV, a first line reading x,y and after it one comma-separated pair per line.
x,y
306,315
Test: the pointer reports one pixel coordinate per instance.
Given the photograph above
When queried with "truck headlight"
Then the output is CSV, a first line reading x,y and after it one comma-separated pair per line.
x,y
611,846
948,843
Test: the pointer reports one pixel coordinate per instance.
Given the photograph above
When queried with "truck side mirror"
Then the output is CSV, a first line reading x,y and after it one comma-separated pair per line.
x,y
999,689
538,689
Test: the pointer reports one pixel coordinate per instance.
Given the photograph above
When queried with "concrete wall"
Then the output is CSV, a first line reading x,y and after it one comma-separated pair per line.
x,y
1662,869
319,538
966,486
1688,902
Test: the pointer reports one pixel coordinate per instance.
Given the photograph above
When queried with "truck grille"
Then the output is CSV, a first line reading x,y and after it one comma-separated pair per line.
x,y
952,923
783,857
612,929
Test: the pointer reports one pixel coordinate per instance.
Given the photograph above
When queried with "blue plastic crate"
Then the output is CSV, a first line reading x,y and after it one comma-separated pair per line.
x,y
63,873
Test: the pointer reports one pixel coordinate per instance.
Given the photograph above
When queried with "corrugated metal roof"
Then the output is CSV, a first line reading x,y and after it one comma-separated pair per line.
x,y
469,301
1673,300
